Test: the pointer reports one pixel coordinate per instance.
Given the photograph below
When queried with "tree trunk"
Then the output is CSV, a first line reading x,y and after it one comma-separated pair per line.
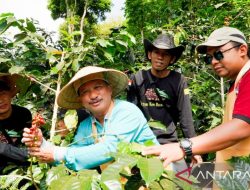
x,y
55,109
82,22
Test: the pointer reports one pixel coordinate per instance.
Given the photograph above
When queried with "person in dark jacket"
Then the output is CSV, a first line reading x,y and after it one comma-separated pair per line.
x,y
13,119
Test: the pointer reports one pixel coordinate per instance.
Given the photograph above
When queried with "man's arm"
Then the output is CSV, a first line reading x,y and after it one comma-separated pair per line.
x,y
223,136
185,109
132,93
14,153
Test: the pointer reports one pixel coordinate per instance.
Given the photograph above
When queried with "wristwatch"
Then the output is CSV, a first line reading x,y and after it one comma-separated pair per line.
x,y
186,145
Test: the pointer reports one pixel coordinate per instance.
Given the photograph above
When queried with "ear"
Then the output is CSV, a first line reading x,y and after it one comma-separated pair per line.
x,y
149,55
79,99
243,50
110,89
172,60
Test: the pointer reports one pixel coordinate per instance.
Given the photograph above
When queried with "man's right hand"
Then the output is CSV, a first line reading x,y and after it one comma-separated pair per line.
x,y
32,137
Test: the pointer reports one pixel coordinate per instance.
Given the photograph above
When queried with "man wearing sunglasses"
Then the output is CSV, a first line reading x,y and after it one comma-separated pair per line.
x,y
227,51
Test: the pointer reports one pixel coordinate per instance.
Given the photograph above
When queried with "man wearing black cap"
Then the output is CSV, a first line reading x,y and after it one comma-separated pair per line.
x,y
161,93
13,119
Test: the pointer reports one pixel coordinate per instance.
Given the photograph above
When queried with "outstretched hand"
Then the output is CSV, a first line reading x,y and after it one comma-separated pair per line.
x,y
168,152
43,155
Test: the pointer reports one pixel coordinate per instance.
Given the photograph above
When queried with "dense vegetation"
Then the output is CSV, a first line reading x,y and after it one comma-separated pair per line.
x,y
49,64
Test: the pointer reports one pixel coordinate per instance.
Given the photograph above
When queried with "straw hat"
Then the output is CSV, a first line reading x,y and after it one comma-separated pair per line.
x,y
10,80
164,41
68,96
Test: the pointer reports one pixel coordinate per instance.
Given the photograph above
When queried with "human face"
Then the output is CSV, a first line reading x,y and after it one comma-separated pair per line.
x,y
96,97
160,59
229,64
218,55
5,104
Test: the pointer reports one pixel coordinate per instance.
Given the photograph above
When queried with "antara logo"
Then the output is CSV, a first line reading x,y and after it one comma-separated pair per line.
x,y
185,177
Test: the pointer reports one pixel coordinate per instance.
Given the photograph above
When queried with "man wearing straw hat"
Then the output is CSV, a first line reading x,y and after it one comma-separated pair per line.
x,y
13,119
110,121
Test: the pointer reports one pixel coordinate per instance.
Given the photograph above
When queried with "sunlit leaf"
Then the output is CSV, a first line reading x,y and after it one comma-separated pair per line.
x,y
55,173
157,125
30,26
151,169
71,119
219,5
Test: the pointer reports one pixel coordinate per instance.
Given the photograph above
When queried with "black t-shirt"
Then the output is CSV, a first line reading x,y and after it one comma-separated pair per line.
x,y
11,130
174,93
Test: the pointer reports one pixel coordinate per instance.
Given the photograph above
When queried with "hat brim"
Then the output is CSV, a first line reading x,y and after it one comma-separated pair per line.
x,y
176,51
202,48
68,97
11,80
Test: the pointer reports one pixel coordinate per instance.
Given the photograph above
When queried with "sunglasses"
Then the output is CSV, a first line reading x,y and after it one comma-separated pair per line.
x,y
218,55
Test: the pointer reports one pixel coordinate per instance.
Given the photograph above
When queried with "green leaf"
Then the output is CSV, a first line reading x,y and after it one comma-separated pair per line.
x,y
219,5
20,38
149,143
111,185
71,119
60,65
157,124
167,184
16,69
3,60
103,42
151,169
108,56
136,147
37,36
57,139
30,26
56,173
239,181
6,20
155,186
70,183
112,172
75,65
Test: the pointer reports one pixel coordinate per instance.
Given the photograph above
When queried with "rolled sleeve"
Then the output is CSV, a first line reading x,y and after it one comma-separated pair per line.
x,y
87,157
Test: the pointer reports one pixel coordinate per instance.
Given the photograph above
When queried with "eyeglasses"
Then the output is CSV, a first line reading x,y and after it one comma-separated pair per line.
x,y
218,55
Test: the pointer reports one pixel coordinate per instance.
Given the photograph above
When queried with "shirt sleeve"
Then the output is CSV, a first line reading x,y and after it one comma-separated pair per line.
x,y
14,153
132,93
242,103
185,110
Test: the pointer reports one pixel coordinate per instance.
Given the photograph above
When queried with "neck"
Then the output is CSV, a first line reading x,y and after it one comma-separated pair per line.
x,y
160,73
6,114
241,65
100,117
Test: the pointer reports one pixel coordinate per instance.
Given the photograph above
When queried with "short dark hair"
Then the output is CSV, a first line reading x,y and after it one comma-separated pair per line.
x,y
4,86
238,44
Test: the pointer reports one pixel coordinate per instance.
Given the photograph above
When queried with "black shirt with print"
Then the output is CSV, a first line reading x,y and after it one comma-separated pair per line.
x,y
174,93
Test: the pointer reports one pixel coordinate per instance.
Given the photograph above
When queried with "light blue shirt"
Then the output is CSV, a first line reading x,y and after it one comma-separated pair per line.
x,y
125,123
